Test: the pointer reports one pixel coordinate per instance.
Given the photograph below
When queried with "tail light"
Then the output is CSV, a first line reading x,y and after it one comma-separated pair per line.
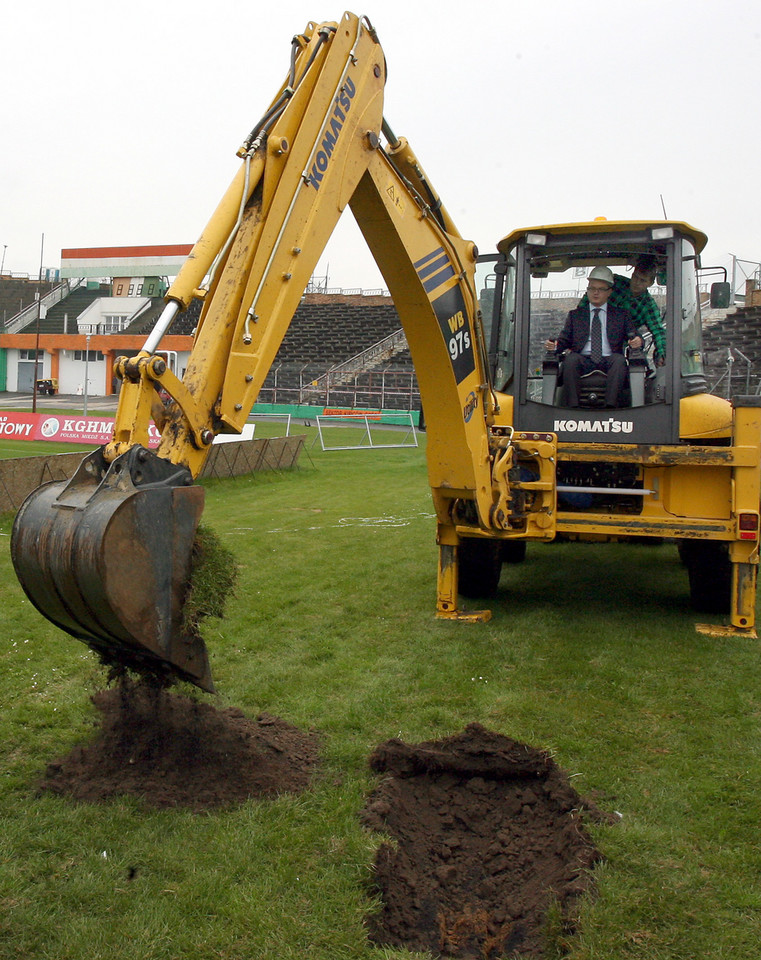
x,y
747,525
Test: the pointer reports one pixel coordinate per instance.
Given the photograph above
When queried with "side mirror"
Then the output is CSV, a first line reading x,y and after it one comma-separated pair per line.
x,y
721,294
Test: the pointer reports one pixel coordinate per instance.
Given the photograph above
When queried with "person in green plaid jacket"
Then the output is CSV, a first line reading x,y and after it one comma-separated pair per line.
x,y
631,294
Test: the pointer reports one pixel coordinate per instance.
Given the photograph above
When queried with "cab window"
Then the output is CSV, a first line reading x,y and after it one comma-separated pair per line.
x,y
692,359
495,282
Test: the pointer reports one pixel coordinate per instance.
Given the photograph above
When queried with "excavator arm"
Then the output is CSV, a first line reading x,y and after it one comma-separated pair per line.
x,y
107,556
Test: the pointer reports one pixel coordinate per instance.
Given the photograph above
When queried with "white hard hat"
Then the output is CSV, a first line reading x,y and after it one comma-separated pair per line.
x,y
602,273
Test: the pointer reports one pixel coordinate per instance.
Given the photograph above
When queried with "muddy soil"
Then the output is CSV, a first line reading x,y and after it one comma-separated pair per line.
x,y
173,751
489,853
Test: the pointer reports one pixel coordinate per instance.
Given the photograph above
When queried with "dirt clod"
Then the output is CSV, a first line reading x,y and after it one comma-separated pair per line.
x,y
489,849
177,752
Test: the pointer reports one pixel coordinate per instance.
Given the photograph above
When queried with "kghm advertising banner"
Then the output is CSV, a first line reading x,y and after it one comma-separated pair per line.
x,y
63,428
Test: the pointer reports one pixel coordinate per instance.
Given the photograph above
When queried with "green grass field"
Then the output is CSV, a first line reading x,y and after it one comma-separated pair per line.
x,y
591,653
13,449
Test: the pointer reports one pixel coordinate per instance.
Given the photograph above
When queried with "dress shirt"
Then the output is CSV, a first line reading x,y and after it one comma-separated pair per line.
x,y
606,351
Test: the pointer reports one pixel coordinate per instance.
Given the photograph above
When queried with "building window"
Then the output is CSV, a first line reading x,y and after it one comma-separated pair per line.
x,y
90,355
31,354
114,323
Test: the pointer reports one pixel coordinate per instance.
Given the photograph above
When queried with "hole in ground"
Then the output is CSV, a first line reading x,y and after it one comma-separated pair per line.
x,y
488,850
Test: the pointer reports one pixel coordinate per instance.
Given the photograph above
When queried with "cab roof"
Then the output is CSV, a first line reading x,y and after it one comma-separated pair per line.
x,y
601,226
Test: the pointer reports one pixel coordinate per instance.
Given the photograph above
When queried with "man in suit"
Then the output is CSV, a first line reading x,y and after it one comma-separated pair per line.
x,y
632,294
595,335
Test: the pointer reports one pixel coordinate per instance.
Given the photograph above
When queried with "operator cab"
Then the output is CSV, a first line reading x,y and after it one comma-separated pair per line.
x,y
540,274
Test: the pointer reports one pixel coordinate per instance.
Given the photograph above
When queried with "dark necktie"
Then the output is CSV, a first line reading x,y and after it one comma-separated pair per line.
x,y
595,337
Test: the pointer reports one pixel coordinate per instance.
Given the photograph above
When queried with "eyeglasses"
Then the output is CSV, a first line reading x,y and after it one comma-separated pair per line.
x,y
597,288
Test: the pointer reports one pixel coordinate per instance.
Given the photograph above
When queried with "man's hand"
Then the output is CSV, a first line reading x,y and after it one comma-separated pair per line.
x,y
636,343
550,344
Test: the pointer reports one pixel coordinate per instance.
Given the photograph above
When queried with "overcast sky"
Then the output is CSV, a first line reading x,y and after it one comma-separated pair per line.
x,y
120,122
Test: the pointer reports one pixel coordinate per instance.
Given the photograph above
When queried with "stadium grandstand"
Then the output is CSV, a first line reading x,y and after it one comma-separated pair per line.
x,y
343,349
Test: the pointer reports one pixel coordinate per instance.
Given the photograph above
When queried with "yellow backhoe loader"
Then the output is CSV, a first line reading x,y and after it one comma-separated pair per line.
x,y
107,555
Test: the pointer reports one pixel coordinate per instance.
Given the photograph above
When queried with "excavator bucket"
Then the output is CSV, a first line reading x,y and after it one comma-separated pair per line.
x,y
106,556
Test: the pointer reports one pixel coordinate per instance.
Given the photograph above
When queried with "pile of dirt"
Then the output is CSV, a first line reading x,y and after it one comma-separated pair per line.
x,y
489,850
488,853
177,752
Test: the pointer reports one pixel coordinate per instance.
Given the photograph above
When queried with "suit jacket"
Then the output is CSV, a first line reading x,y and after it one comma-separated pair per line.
x,y
575,333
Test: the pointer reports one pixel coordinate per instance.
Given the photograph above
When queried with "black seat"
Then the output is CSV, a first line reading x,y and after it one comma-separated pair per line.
x,y
592,384
592,390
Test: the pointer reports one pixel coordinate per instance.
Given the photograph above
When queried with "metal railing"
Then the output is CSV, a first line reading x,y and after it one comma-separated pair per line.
x,y
25,316
545,294
316,287
344,372
379,388
733,354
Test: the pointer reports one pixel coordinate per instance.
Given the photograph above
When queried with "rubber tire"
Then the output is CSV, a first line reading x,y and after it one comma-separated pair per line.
x,y
710,574
480,567
513,551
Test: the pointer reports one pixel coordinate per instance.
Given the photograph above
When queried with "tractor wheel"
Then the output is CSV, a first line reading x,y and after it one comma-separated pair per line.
x,y
710,573
480,566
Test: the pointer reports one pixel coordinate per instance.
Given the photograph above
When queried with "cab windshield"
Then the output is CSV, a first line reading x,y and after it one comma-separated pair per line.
x,y
557,285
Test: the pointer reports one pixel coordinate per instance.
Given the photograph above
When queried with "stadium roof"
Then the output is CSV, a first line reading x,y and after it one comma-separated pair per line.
x,y
163,260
